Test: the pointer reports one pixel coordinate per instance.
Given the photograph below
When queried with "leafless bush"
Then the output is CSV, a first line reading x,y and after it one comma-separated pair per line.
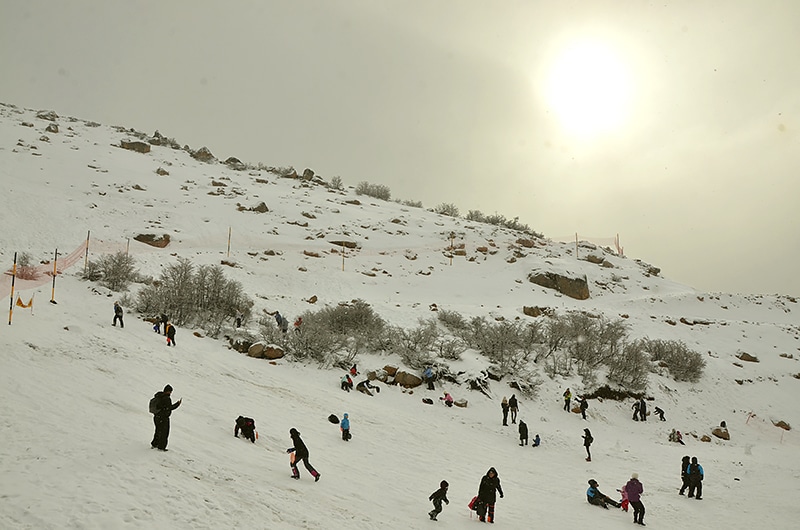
x,y
377,191
336,183
449,209
630,367
115,271
682,363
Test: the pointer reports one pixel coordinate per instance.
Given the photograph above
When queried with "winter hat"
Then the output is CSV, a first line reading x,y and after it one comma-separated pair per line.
x,y
168,388
635,476
592,482
345,414
293,432
443,484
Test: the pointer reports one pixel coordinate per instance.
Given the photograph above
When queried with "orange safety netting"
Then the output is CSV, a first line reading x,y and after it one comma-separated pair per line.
x,y
35,276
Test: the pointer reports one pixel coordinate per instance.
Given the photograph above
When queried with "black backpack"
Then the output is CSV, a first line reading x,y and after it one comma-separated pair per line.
x,y
154,405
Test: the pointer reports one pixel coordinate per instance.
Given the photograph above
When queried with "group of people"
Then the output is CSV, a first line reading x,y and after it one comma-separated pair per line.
x,y
169,329
631,495
483,503
161,406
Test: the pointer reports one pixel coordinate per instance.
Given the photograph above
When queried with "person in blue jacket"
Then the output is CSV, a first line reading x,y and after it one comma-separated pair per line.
x,y
345,426
598,498
694,472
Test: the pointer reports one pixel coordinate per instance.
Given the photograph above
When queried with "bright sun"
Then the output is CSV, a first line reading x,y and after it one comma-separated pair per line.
x,y
589,89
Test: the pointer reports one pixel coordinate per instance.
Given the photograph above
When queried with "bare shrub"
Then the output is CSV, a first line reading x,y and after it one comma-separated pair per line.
x,y
336,183
115,271
682,363
412,204
199,296
26,269
449,209
630,367
452,320
377,191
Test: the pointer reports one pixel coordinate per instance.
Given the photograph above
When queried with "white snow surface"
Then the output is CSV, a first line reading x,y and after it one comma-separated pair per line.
x,y
74,390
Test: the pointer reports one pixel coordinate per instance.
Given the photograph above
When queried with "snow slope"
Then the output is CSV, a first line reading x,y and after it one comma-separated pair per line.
x,y
74,420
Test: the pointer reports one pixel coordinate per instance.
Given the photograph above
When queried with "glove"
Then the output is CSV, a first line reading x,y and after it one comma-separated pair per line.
x,y
447,502
290,450
501,495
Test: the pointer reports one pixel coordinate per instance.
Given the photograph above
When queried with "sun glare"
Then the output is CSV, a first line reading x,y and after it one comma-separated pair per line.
x,y
589,89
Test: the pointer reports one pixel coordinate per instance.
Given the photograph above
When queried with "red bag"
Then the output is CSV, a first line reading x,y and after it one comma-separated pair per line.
x,y
473,504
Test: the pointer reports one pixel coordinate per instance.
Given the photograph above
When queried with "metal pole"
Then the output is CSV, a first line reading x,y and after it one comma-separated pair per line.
x,y
11,299
229,241
86,257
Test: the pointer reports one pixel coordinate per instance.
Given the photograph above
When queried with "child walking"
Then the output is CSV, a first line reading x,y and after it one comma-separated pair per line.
x,y
437,497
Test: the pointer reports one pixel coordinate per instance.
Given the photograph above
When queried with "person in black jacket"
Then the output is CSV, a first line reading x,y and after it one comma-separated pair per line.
x,y
587,441
169,331
513,407
247,426
300,454
694,474
583,406
164,408
523,433
164,321
437,497
490,483
684,476
118,315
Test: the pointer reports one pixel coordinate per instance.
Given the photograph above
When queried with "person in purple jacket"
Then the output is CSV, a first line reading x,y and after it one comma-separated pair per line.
x,y
634,489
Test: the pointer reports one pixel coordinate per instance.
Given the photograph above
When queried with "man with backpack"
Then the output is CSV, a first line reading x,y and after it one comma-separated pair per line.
x,y
161,407
583,405
118,315
694,474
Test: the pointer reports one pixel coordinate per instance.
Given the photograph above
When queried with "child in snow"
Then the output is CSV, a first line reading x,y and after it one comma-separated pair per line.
x,y
169,331
437,497
624,502
448,399
347,383
598,498
300,454
489,487
536,441
660,413
247,426
345,426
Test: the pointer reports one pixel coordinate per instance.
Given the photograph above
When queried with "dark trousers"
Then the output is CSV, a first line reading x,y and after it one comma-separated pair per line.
x,y
346,435
523,440
121,323
684,485
638,511
513,415
430,384
309,467
437,507
489,513
696,485
566,405
505,416
162,432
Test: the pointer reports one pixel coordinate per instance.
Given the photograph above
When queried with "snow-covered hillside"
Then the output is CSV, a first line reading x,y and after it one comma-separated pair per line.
x,y
75,426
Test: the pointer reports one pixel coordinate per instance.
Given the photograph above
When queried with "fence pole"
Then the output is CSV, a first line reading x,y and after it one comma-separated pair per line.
x,y
11,299
55,272
229,241
86,256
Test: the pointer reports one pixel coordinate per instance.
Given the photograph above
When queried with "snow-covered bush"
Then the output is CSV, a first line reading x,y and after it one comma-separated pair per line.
x,y
682,363
115,271
377,191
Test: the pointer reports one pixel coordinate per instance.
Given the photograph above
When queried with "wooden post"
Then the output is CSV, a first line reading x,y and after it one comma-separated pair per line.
x,y
229,241
86,256
128,246
55,272
452,236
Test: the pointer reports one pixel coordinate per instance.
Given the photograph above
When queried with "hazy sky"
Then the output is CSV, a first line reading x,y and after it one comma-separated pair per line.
x,y
674,124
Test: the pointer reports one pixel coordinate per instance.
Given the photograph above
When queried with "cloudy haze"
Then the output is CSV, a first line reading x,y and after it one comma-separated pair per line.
x,y
453,102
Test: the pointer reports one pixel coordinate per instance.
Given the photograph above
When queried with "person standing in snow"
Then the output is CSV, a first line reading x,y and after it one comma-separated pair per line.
x,y
437,497
489,487
583,405
695,475
634,489
164,321
118,315
299,453
684,474
345,427
523,433
163,410
587,441
238,319
504,406
635,408
513,407
642,410
169,331
567,398
428,376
